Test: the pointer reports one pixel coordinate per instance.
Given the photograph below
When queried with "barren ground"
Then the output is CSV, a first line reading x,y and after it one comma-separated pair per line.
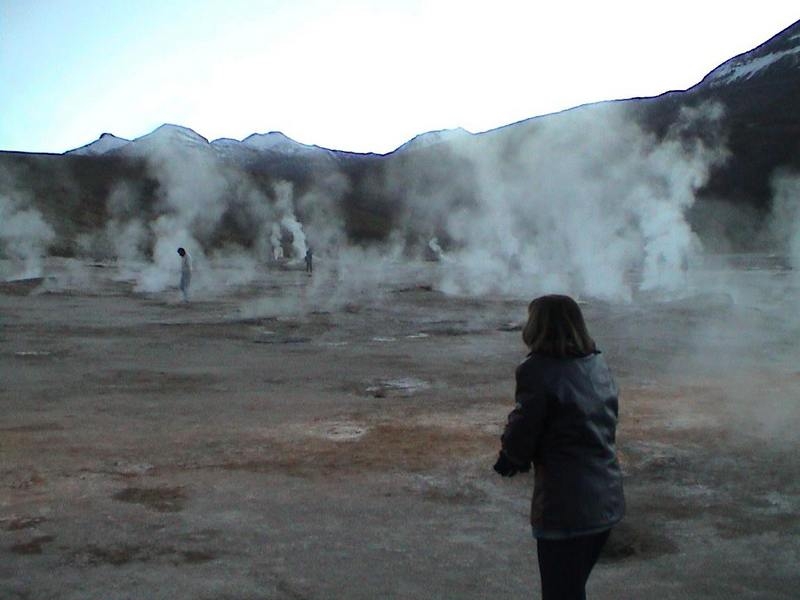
x,y
154,449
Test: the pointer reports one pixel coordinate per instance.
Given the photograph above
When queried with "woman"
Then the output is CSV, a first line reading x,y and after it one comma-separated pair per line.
x,y
564,423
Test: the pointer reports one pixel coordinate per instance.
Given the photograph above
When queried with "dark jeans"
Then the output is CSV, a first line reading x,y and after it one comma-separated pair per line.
x,y
564,565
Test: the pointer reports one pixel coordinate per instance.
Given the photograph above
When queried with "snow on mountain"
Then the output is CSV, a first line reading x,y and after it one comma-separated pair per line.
x,y
275,141
105,143
783,51
169,133
168,138
175,137
225,142
166,135
230,148
748,66
432,138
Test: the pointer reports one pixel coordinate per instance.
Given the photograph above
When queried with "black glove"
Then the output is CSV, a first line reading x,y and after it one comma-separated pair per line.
x,y
505,467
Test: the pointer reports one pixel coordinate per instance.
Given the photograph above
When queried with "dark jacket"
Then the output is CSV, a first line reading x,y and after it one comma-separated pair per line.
x,y
565,424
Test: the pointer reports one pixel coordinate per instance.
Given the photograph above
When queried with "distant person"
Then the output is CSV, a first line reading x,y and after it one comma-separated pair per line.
x,y
186,273
564,422
309,261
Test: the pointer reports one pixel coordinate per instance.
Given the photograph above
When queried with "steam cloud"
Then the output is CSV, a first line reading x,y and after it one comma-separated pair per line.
x,y
195,195
786,214
24,239
587,203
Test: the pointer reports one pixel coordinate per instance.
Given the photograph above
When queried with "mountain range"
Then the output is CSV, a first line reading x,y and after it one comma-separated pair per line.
x,y
756,121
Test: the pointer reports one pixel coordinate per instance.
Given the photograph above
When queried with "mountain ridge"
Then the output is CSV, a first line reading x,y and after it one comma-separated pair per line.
x,y
759,125
742,65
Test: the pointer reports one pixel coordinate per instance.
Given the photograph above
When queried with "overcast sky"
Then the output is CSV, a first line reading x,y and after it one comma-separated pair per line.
x,y
355,75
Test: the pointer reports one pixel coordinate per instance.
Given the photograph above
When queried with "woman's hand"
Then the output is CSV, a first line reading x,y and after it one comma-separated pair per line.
x,y
505,467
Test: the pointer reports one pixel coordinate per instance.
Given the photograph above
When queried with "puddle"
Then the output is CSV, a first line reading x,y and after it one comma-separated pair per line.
x,y
121,467
283,340
122,554
453,327
343,432
401,386
337,431
161,499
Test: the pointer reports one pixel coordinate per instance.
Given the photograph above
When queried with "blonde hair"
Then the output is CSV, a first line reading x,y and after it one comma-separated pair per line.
x,y
556,327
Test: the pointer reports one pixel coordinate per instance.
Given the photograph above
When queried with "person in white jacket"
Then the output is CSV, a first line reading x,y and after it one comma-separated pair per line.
x,y
186,273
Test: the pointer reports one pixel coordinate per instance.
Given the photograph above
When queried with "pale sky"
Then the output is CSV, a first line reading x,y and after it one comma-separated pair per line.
x,y
358,75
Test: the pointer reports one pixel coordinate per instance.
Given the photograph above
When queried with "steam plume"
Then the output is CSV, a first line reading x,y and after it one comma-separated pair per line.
x,y
24,239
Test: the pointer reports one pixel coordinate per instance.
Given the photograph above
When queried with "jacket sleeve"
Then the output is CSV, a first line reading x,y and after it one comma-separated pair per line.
x,y
526,422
